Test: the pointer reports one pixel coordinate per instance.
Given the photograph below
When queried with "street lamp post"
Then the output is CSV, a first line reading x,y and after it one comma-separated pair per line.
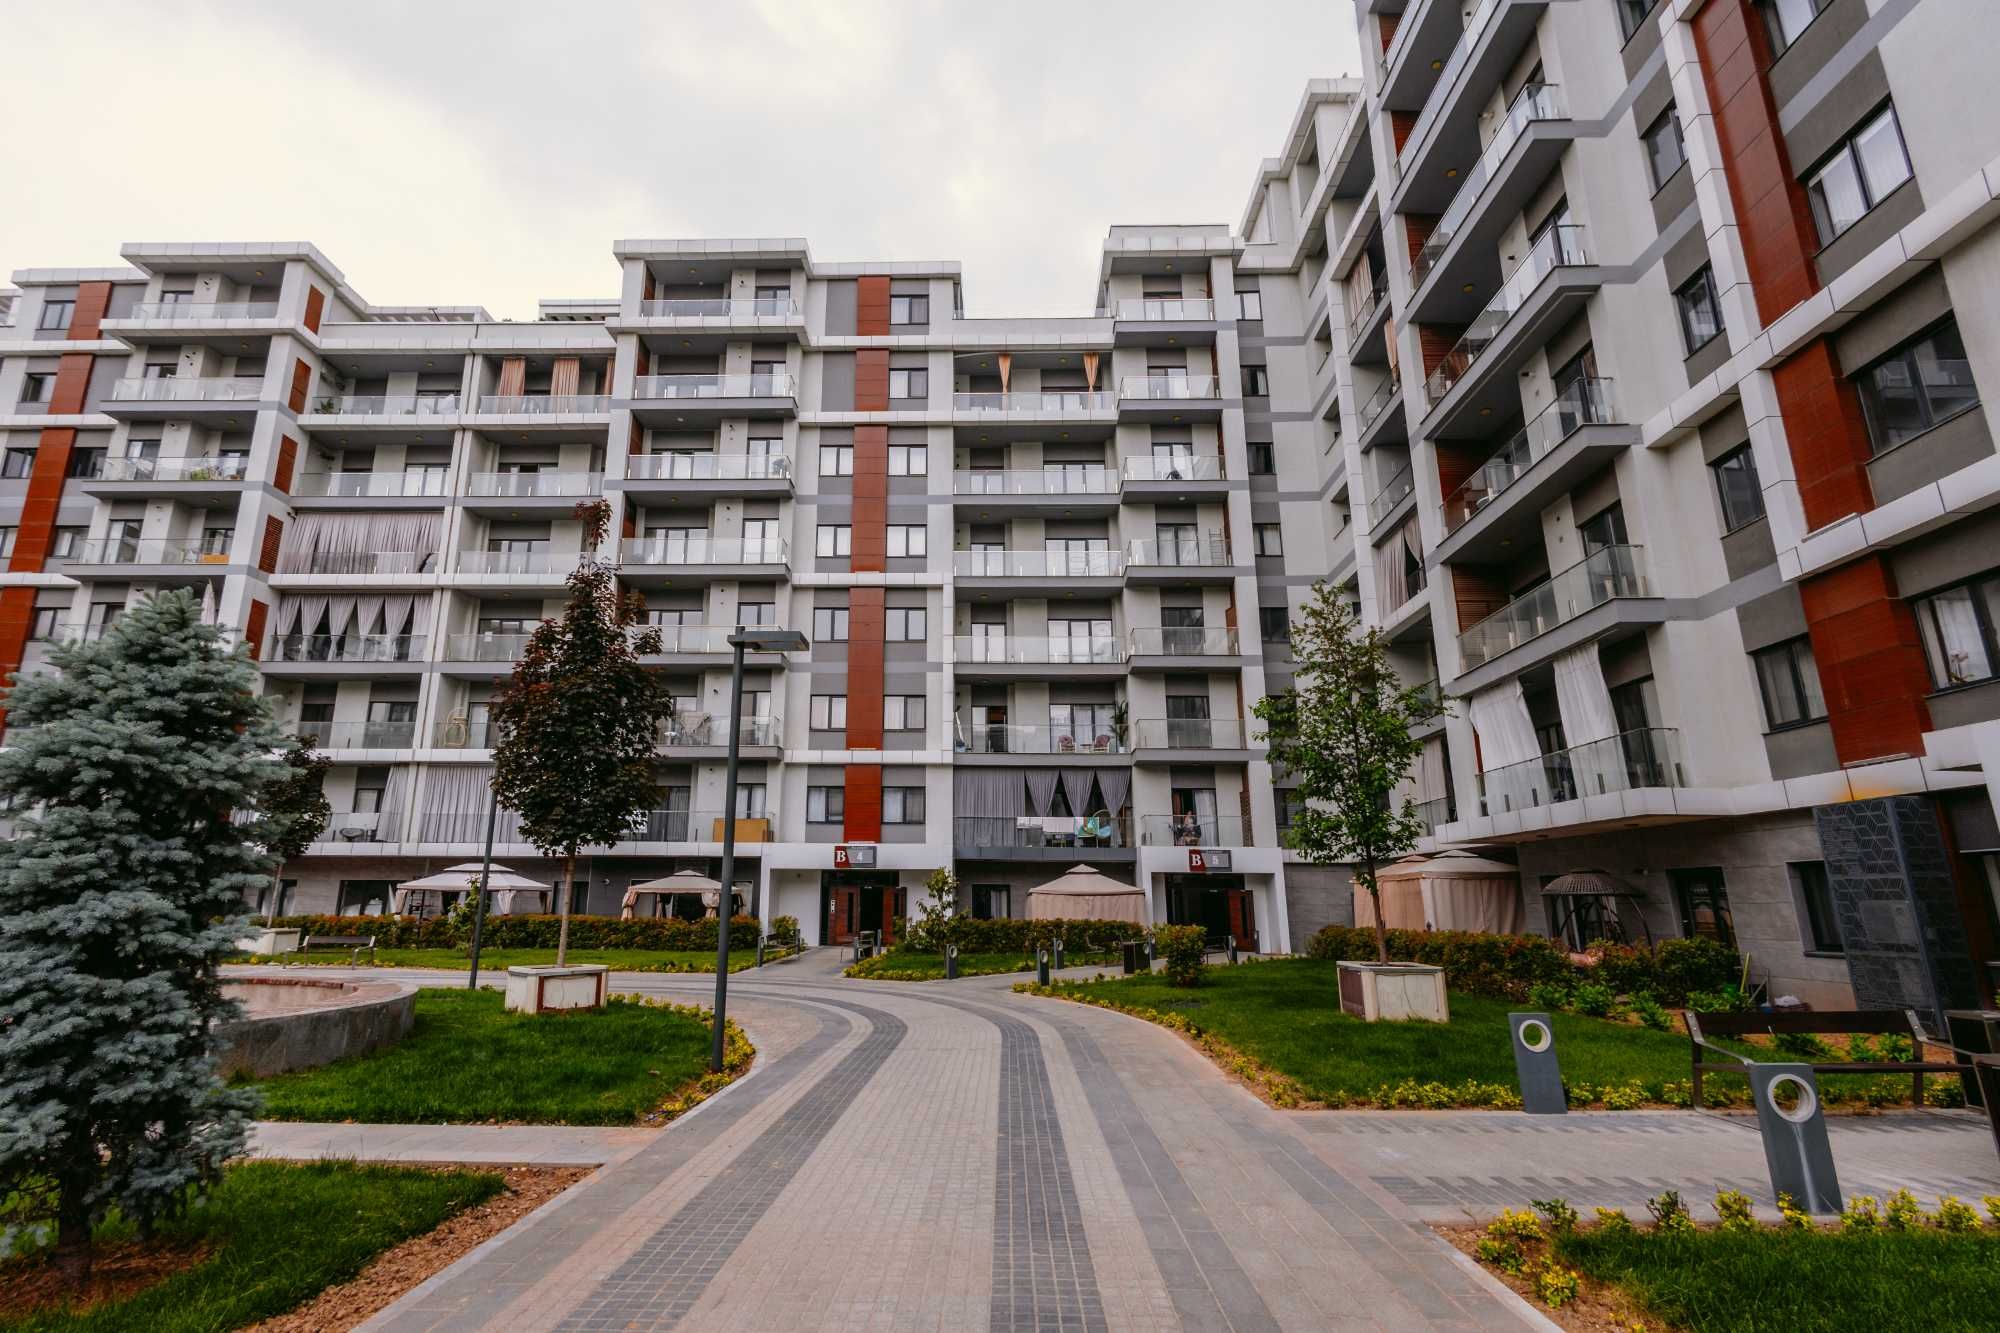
x,y
767,641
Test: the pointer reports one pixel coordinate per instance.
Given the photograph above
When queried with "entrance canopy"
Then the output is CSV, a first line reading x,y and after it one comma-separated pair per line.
x,y
505,888
1448,891
1082,893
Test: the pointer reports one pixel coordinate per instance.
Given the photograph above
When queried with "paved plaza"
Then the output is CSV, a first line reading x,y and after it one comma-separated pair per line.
x,y
954,1156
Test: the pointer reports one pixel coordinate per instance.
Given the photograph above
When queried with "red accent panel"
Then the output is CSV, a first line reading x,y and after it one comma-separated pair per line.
x,y
253,627
301,378
36,526
867,627
871,380
1871,660
315,307
288,459
863,820
1434,343
92,300
17,617
72,384
871,498
274,536
1387,24
871,306
1400,125
1826,433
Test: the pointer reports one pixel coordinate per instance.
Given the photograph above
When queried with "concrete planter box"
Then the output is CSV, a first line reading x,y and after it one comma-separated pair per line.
x,y
270,940
1375,992
293,1022
534,990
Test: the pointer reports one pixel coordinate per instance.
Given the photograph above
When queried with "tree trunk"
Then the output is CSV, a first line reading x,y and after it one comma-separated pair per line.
x,y
277,890
1381,928
72,1255
569,891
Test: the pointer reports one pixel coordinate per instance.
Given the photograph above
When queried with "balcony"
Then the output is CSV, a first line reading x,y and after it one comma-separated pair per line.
x,y
1189,733
1423,40
356,735
723,311
1474,381
330,567
189,396
1361,319
1031,738
538,567
1168,389
1064,481
1442,810
1382,408
1179,559
528,408
1566,441
1163,322
205,481
361,827
1032,407
346,649
433,483
704,551
1446,133
146,551
1043,837
700,826
543,491
461,732
191,312
383,407
1192,830
679,398
701,731
1388,502
1173,641
1166,309
1035,568
485,647
1607,574
1628,761
973,654
708,474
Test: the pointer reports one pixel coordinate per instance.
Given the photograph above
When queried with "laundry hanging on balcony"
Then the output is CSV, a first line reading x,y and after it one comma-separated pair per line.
x,y
399,542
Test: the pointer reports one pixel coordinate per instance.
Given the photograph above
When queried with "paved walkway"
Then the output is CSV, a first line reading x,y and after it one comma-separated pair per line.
x,y
522,1145
953,1156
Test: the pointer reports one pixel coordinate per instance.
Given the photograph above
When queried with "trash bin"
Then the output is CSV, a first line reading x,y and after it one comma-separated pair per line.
x,y
1132,954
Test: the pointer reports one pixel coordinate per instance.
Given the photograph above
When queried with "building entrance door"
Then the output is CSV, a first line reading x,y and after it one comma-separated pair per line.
x,y
1242,914
853,905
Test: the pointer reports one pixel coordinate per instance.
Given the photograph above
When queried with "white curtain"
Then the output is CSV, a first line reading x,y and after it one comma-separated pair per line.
x,y
335,543
1583,697
395,804
1431,778
1392,557
1507,742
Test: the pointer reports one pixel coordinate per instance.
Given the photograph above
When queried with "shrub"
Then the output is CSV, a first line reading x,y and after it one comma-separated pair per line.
x,y
1613,1220
1796,1218
1733,1206
1650,1013
1020,936
1904,1213
1508,967
1992,1202
1549,995
785,927
1592,998
1861,1214
1562,1217
1555,1285
1670,1214
1724,1000
535,932
1954,1214
1181,947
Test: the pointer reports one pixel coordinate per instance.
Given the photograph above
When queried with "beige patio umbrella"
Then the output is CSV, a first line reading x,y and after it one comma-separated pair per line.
x,y
1081,893
682,881
501,882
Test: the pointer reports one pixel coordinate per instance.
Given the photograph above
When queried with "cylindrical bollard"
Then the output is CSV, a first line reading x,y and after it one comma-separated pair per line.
x,y
1059,953
951,962
1535,1065
1041,967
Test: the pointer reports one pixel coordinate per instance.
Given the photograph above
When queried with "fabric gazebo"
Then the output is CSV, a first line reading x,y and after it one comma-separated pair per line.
x,y
1448,891
1086,895
1579,891
671,886
503,886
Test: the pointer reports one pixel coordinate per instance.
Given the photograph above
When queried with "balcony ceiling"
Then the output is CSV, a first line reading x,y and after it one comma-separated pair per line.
x,y
1513,517
1423,41
1471,267
1448,135
1489,393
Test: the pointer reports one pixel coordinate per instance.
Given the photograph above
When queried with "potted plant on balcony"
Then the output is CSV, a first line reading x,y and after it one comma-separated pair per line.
x,y
1342,732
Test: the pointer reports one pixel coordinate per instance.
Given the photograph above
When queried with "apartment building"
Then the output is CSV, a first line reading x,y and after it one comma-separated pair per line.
x,y
1624,363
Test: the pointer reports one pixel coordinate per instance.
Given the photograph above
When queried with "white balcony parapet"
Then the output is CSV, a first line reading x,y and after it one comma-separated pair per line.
x,y
1606,573
383,404
527,485
189,389
721,307
704,551
1168,387
708,467
1559,247
1051,479
1049,402
991,564
777,385
1036,650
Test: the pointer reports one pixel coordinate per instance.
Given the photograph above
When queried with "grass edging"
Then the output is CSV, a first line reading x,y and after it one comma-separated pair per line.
x,y
899,965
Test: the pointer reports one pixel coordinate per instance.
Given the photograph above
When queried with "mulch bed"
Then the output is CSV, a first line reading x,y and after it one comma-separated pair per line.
x,y
116,1272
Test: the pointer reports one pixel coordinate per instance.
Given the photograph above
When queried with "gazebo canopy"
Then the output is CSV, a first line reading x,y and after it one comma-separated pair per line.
x,y
1081,893
467,875
1604,886
1446,891
681,881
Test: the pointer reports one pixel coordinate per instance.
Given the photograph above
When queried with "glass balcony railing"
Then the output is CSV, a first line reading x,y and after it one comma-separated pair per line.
x,y
1584,403
1157,387
1447,79
701,729
1364,310
1032,650
422,481
1393,492
1184,641
232,467
370,562
533,484
1432,813
1192,830
347,648
1536,101
1174,467
708,467
700,826
1558,247
776,385
1165,308
555,564
1048,402
1096,563
190,389
686,639
1188,733
351,826
459,732
384,404
1038,738
1377,403
1625,762
1606,573
487,647
145,551
184,312
1067,831
1055,479
1194,549
544,404
357,735
721,307
704,551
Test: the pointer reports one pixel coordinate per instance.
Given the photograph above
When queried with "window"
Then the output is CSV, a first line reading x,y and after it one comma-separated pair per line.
x,y
1274,624
756,613
1631,13
1957,626
829,624
909,460
86,463
902,712
47,620
36,387
750,800
829,712
902,805
1249,305
909,383
1263,458
905,624
17,463
836,460
1917,386
1859,175
1270,538
1786,19
369,786
7,535
56,314
909,309
1789,680
1701,315
906,540
835,540
1256,382
991,902
1703,900
1603,529
67,542
826,805
1816,915
1736,485
1665,151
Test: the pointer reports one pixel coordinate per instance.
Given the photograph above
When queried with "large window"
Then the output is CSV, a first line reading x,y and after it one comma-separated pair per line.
x,y
1786,19
37,387
1789,680
836,460
829,624
1665,152
903,624
1703,900
909,309
1631,13
834,540
1917,386
1270,538
56,314
1701,313
909,383
826,805
1256,382
1274,625
906,540
1249,305
909,460
1858,175
1957,626
829,712
1263,458
902,712
1736,486
902,805
1819,926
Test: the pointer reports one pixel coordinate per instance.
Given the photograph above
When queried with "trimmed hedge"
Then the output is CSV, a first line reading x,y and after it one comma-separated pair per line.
x,y
1017,935
1184,950
668,934
1509,966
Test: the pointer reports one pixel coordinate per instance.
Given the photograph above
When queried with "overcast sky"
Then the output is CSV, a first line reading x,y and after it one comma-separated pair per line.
x,y
490,153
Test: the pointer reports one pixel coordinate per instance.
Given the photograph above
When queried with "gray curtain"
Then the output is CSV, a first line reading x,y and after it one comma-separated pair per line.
x,y
987,791
1041,789
1076,786
395,804
1116,785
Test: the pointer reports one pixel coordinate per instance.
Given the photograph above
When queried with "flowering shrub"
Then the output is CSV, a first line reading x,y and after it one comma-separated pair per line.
x,y
534,932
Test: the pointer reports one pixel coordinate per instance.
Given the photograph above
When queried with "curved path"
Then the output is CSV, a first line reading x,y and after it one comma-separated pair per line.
x,y
946,1157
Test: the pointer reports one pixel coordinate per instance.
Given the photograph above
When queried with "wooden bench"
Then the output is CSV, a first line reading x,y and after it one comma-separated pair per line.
x,y
357,943
1833,1022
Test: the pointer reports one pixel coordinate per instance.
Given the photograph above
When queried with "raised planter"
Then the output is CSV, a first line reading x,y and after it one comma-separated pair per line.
x,y
534,990
304,1022
1375,992
268,940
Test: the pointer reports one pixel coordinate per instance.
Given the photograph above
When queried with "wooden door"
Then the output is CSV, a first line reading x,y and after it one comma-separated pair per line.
x,y
1242,919
843,905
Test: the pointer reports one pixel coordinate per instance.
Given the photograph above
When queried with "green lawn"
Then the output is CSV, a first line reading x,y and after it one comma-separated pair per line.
x,y
279,1233
908,965
1833,1282
619,960
468,1061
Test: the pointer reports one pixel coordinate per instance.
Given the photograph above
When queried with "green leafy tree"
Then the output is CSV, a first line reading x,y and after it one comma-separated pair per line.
x,y
294,811
120,893
579,719
1343,733
937,914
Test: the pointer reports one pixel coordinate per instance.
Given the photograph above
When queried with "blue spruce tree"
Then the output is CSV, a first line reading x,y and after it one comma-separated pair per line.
x,y
120,893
